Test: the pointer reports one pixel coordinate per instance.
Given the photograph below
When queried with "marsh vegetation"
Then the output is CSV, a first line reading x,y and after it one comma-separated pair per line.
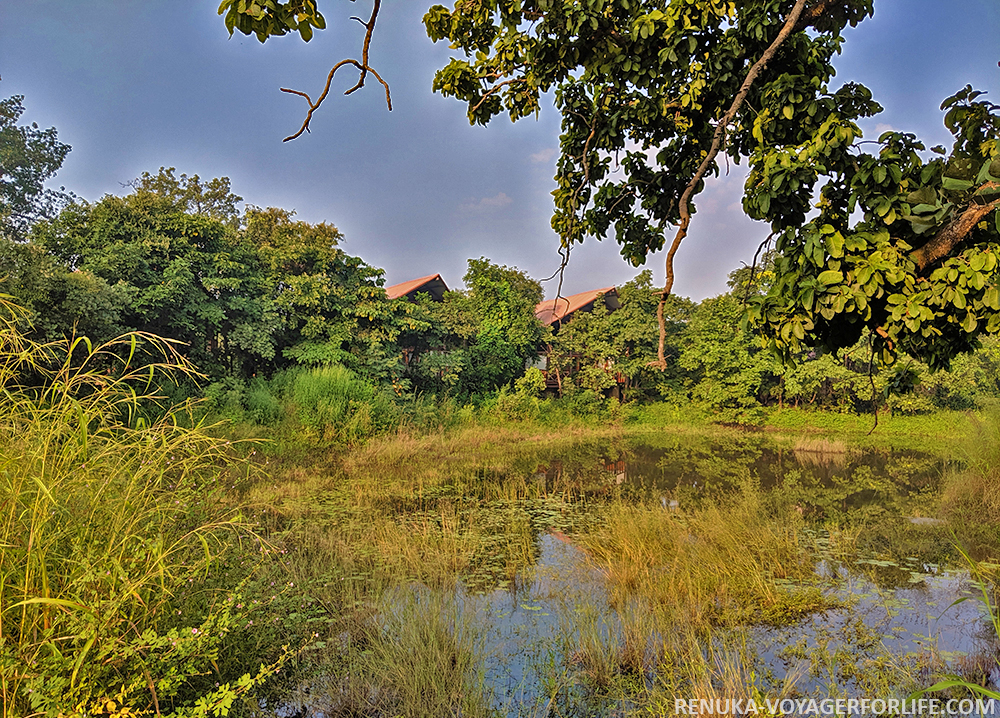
x,y
154,563
369,506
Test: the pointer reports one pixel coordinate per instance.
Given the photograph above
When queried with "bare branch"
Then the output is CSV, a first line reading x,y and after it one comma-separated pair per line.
x,y
363,69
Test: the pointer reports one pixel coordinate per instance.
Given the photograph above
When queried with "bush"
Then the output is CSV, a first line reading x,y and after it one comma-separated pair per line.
x,y
109,526
336,404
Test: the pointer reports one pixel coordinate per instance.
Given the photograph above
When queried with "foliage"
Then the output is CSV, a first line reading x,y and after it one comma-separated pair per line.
x,y
479,339
268,18
59,301
109,529
603,349
28,157
730,373
249,294
190,277
189,195
902,245
919,268
330,306
521,404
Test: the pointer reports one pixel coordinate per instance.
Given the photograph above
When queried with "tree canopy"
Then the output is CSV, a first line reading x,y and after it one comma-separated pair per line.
x,y
653,95
28,157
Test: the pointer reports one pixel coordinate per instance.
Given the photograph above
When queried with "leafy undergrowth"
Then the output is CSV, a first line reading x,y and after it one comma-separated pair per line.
x,y
113,529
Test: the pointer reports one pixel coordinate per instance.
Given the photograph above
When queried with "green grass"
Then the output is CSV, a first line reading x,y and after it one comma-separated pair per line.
x,y
110,524
939,432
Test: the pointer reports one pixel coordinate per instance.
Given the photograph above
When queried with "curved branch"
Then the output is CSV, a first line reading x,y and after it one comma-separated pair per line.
x,y
363,69
940,246
717,139
494,90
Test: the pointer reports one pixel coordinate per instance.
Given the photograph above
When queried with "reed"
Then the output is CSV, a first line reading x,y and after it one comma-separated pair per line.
x,y
111,516
735,561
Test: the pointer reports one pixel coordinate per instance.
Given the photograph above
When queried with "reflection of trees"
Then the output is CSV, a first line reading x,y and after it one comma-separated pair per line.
x,y
510,504
824,479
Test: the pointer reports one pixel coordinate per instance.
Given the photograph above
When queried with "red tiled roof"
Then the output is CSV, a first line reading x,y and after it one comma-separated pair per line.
x,y
404,288
548,313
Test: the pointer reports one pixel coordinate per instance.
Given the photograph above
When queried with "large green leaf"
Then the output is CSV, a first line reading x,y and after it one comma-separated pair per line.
x,y
953,184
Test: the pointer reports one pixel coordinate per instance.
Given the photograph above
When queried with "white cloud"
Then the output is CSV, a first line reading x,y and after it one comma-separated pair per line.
x,y
543,156
484,204
883,127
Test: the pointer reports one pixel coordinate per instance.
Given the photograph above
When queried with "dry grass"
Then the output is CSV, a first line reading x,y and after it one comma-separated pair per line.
x,y
729,562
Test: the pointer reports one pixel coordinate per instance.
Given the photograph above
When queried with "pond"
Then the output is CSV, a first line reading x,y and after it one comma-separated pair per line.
x,y
896,604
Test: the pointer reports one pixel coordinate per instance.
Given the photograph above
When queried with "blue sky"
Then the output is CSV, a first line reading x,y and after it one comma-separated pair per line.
x,y
133,86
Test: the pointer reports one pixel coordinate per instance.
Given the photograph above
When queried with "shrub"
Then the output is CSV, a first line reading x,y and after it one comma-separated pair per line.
x,y
109,525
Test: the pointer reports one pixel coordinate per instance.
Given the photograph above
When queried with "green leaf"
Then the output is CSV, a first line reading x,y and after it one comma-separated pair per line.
x,y
991,298
835,245
787,112
955,185
924,195
830,276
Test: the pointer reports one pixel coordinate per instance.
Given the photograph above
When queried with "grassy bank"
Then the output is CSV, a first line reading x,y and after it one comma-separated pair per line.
x,y
116,527
173,568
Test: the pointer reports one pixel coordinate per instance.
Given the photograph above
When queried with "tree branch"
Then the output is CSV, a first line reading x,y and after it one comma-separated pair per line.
x,y
492,91
363,69
940,246
717,139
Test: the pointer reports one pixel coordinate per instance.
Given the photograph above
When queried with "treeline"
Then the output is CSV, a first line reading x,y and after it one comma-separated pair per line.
x,y
714,362
281,320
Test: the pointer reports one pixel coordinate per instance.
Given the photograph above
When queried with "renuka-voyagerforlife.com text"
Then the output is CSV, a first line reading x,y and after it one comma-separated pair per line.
x,y
834,706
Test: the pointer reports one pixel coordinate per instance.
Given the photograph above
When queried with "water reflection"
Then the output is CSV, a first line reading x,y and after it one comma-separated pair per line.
x,y
532,591
825,479
531,633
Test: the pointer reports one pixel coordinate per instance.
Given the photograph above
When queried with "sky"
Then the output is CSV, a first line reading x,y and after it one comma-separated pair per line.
x,y
135,85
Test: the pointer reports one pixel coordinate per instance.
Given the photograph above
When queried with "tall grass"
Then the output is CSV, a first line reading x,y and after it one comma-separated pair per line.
x,y
110,519
338,405
734,561
975,491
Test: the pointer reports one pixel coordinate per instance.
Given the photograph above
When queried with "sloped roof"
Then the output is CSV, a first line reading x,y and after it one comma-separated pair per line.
x,y
548,312
432,284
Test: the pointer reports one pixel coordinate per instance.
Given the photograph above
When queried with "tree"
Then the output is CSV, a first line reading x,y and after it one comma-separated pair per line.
x,y
28,157
270,18
659,91
482,337
330,307
183,276
903,244
60,301
616,347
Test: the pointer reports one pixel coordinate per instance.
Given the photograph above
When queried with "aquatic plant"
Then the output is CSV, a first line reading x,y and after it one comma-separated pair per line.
x,y
739,559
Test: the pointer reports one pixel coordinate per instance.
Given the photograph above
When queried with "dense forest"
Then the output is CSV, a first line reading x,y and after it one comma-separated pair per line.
x,y
264,305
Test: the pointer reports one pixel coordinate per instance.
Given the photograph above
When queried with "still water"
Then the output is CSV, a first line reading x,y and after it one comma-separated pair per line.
x,y
907,605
